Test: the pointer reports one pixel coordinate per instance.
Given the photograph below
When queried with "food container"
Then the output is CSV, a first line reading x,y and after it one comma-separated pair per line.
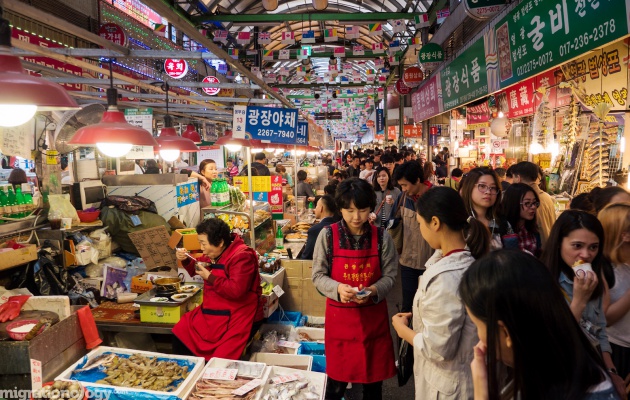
x,y
89,216
81,390
301,362
13,329
316,379
104,391
167,284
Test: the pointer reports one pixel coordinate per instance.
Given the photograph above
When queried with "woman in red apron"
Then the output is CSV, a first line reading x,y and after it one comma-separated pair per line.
x,y
355,266
232,310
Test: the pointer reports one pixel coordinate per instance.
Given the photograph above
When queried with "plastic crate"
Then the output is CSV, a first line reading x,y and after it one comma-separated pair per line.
x,y
285,317
316,350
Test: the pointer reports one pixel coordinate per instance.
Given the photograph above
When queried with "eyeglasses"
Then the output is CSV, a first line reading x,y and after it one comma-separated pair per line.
x,y
534,204
483,188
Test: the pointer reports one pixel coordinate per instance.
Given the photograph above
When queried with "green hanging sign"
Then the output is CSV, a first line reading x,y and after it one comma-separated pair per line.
x,y
465,78
430,56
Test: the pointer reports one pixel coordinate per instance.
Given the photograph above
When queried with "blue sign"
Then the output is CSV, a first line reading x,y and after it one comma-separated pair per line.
x,y
261,196
302,133
380,123
278,125
187,193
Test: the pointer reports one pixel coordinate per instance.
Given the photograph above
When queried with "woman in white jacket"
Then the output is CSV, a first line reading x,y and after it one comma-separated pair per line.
x,y
443,333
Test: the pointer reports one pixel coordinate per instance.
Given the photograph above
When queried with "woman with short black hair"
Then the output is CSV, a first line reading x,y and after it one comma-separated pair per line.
x,y
232,308
355,266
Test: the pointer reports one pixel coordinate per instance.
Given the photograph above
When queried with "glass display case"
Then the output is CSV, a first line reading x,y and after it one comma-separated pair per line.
x,y
239,222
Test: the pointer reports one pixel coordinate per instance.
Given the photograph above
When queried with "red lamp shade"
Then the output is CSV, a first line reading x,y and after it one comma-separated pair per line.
x,y
227,139
169,140
113,128
192,134
19,88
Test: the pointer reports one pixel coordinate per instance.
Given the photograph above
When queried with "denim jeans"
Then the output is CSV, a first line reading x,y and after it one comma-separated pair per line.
x,y
409,278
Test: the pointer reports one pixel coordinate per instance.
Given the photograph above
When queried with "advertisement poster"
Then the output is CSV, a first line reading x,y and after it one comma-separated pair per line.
x,y
275,197
187,193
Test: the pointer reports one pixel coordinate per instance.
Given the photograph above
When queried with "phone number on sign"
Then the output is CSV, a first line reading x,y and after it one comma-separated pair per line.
x,y
536,63
280,134
599,32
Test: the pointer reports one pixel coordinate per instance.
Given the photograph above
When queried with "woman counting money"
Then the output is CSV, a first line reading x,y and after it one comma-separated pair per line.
x,y
355,266
232,310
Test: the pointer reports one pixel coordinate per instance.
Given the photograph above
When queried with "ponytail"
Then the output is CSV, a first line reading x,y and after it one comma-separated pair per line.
x,y
477,237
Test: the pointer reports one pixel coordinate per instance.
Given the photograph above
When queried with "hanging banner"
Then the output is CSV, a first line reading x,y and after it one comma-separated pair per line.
x,y
518,100
380,124
430,56
425,102
401,88
433,136
465,79
409,131
278,125
275,197
533,39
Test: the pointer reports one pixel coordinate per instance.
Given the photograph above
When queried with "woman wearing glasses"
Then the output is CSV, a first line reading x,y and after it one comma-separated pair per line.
x,y
481,191
519,206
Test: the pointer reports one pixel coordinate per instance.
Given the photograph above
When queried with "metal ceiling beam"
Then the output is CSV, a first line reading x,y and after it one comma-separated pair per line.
x,y
126,93
47,19
171,83
316,85
104,53
183,23
339,96
253,18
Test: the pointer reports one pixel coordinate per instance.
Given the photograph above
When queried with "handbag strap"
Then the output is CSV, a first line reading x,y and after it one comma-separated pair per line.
x,y
402,201
382,202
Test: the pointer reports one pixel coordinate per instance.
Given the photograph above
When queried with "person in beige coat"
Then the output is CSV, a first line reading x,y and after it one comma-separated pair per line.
x,y
443,334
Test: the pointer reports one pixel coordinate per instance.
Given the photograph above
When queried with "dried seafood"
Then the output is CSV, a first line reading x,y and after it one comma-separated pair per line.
x,y
142,372
208,389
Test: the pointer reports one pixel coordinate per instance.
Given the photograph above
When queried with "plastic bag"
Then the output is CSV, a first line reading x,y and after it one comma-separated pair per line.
x,y
102,242
85,253
59,203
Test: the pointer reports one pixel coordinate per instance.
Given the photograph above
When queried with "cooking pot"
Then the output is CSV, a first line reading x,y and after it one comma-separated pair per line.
x,y
167,284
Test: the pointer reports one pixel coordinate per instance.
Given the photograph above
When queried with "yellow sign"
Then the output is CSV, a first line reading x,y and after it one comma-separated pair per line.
x,y
51,157
226,93
259,183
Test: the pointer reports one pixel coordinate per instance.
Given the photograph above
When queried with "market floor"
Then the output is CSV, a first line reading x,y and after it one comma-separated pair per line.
x,y
391,390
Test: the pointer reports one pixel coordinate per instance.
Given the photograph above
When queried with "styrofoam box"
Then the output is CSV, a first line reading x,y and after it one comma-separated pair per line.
x,y
56,304
276,279
316,334
301,362
316,378
223,363
182,391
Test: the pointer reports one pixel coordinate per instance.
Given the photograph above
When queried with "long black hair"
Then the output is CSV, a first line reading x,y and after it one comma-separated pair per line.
x,y
469,183
511,206
569,221
446,205
552,358
377,187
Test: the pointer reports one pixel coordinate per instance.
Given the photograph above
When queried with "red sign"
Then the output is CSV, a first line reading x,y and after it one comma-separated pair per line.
x,y
519,99
45,61
391,134
114,33
211,91
409,131
401,88
558,97
275,196
479,114
369,123
424,102
176,69
413,76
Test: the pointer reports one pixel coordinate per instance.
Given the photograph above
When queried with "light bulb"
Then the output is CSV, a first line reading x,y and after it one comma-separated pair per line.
x,y
270,149
114,149
169,155
501,115
234,147
16,114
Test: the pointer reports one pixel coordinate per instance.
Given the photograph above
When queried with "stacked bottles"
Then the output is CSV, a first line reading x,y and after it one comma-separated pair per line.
x,y
12,205
220,193
268,265
20,202
3,203
214,202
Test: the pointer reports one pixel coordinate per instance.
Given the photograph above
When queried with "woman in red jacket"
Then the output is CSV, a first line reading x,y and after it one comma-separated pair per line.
x,y
232,310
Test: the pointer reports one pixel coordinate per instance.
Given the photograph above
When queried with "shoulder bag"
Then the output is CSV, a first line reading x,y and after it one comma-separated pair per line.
x,y
395,226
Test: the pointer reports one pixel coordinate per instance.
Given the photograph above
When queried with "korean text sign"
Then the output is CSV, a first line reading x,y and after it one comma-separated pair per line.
x,y
465,78
278,125
302,133
540,34
425,101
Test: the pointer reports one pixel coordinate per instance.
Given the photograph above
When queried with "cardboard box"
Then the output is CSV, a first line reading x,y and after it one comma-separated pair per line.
x,y
300,292
294,268
152,245
270,304
140,284
189,241
313,303
13,258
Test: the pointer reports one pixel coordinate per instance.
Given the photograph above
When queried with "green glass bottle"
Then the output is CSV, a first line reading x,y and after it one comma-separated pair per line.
x,y
226,193
3,203
279,239
20,201
11,204
213,193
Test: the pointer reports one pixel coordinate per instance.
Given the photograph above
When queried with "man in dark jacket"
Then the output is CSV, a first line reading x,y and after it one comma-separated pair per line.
x,y
327,211
259,164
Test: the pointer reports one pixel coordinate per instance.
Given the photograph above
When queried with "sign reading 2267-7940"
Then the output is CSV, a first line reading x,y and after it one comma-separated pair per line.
x,y
278,125
540,34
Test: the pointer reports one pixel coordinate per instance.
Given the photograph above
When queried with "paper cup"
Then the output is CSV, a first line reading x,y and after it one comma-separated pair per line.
x,y
388,197
66,223
586,267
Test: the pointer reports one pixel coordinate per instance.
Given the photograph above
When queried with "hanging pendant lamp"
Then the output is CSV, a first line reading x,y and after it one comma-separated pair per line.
x,y
270,5
22,95
113,136
192,134
320,5
170,145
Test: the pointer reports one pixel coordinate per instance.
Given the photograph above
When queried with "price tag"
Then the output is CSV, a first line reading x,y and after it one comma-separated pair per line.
x,y
290,345
36,374
276,380
221,374
135,220
278,290
249,386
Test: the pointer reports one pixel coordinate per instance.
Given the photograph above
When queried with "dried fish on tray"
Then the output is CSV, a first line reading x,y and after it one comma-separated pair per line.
x,y
291,384
211,389
216,389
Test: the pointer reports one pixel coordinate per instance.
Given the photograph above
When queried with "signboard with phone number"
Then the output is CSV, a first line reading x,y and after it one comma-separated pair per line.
x,y
278,125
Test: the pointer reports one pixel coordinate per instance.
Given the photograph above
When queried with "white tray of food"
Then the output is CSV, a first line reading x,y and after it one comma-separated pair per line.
x,y
231,375
293,384
155,373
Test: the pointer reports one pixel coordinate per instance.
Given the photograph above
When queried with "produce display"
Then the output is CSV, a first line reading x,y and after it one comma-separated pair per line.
x,y
136,371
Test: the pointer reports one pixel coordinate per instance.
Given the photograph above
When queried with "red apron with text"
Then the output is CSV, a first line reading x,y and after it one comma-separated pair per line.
x,y
219,327
359,346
